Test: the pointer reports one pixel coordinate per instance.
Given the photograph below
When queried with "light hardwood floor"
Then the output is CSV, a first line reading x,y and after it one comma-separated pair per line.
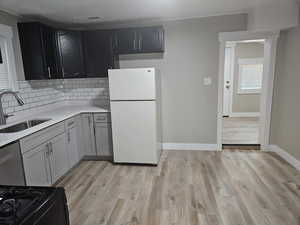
x,y
240,130
187,188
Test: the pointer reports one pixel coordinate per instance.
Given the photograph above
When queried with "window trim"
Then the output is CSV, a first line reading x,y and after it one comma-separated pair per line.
x,y
247,61
6,32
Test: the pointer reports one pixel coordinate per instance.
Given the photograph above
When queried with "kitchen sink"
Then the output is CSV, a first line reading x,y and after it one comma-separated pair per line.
x,y
23,126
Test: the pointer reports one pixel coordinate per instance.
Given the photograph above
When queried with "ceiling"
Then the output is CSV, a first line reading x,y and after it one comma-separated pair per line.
x,y
78,11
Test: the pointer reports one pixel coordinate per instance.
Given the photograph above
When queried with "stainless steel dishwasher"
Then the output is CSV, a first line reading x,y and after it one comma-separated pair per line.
x,y
11,165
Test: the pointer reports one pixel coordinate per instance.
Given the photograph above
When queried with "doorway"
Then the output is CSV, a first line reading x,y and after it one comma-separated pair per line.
x,y
243,75
246,73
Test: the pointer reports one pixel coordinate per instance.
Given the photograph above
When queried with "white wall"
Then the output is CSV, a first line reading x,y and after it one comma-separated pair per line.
x,y
274,16
192,51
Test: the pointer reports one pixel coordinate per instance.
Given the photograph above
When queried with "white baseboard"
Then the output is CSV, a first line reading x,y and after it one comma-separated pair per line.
x,y
285,155
190,146
244,114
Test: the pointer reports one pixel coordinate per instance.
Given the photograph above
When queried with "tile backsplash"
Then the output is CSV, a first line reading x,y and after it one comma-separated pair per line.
x,y
44,92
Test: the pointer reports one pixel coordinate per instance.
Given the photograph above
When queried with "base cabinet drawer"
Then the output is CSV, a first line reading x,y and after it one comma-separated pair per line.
x,y
40,137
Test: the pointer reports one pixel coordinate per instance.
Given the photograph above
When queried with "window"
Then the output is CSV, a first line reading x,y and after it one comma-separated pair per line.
x,y
4,82
7,62
250,75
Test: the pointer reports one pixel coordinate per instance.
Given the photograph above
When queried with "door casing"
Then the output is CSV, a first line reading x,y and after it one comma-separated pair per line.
x,y
270,47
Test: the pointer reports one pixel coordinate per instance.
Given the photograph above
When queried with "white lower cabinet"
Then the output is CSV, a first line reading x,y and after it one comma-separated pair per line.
x,y
45,164
51,152
103,139
36,166
45,157
88,136
58,157
103,135
72,145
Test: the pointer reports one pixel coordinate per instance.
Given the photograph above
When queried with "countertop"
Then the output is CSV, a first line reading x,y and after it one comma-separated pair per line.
x,y
56,115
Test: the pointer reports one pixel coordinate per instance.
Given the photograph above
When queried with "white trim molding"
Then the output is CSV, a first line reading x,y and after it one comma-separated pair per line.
x,y
285,155
270,45
247,35
190,146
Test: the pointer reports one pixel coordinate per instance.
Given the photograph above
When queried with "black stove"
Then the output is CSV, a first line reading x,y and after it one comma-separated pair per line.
x,y
33,205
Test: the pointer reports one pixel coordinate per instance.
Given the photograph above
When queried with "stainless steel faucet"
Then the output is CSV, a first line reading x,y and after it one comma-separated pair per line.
x,y
3,116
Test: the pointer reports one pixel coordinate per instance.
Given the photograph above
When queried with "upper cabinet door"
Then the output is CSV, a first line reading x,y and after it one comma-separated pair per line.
x,y
98,53
49,41
39,51
70,46
151,39
126,41
139,40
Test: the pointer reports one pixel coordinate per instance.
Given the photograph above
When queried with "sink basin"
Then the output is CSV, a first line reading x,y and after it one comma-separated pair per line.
x,y
23,126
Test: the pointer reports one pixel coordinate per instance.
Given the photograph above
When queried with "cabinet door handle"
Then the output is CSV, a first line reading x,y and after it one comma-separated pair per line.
x,y
140,43
69,137
116,42
89,119
134,44
51,148
47,150
49,72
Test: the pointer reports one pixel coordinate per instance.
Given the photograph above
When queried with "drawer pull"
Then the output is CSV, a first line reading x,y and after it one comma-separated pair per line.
x,y
101,118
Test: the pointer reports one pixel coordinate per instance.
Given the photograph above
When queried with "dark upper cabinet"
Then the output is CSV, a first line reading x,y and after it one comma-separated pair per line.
x,y
125,41
139,40
51,54
151,39
39,51
71,54
98,53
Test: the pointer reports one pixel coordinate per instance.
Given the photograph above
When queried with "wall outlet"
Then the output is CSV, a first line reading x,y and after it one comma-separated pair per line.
x,y
207,81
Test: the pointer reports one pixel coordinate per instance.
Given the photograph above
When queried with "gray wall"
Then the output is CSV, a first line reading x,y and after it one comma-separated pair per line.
x,y
11,20
286,108
245,102
192,53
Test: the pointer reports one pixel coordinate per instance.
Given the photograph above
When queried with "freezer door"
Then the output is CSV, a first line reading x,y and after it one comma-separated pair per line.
x,y
132,84
134,132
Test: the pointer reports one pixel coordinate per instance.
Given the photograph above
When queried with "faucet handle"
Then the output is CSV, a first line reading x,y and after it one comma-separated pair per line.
x,y
8,115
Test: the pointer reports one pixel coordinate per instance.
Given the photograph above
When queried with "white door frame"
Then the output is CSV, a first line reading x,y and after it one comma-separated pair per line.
x,y
6,32
270,48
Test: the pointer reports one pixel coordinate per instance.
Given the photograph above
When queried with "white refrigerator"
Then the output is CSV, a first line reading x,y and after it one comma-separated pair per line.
x,y
135,115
